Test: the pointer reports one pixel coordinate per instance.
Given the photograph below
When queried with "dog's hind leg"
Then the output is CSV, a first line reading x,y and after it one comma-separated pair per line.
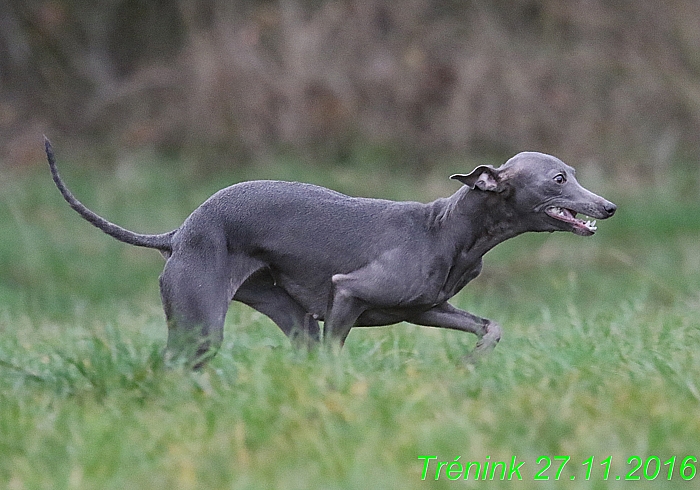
x,y
261,293
195,290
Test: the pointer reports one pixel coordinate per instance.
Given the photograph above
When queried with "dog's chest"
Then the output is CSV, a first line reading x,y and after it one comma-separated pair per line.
x,y
463,271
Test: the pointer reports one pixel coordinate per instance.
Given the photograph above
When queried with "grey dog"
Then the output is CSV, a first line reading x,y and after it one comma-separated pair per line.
x,y
300,253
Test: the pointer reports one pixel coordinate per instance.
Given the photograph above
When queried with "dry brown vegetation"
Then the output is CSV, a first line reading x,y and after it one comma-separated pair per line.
x,y
608,82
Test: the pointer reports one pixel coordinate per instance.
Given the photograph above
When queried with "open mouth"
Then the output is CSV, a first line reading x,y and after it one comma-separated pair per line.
x,y
580,227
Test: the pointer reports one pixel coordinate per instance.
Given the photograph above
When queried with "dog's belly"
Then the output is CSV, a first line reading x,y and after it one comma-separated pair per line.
x,y
312,299
316,301
316,304
380,317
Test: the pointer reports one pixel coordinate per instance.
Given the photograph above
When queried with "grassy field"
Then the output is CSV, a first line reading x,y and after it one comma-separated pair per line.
x,y
600,356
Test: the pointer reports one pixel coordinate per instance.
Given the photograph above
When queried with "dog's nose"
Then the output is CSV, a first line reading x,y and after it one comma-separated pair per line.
x,y
610,208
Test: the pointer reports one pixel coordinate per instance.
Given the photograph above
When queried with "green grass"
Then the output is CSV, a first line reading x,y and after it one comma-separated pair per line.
x,y
600,356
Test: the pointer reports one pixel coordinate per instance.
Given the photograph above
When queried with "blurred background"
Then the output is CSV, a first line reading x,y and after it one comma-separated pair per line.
x,y
613,86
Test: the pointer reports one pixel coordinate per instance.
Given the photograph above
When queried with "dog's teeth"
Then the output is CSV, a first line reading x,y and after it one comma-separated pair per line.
x,y
591,225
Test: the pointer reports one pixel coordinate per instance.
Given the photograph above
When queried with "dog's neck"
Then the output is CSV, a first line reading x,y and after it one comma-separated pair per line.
x,y
476,220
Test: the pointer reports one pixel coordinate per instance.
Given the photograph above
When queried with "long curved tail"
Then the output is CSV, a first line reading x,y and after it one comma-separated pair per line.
x,y
162,242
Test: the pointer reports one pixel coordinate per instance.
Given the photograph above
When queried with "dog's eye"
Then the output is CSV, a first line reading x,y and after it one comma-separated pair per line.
x,y
560,178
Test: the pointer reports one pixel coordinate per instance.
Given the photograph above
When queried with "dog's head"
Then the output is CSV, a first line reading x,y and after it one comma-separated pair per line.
x,y
542,191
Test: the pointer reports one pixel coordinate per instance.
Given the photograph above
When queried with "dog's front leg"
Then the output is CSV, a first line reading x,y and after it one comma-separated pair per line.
x,y
344,308
447,316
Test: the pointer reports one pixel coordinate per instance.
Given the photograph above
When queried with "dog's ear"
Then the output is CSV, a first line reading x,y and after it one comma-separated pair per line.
x,y
483,177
